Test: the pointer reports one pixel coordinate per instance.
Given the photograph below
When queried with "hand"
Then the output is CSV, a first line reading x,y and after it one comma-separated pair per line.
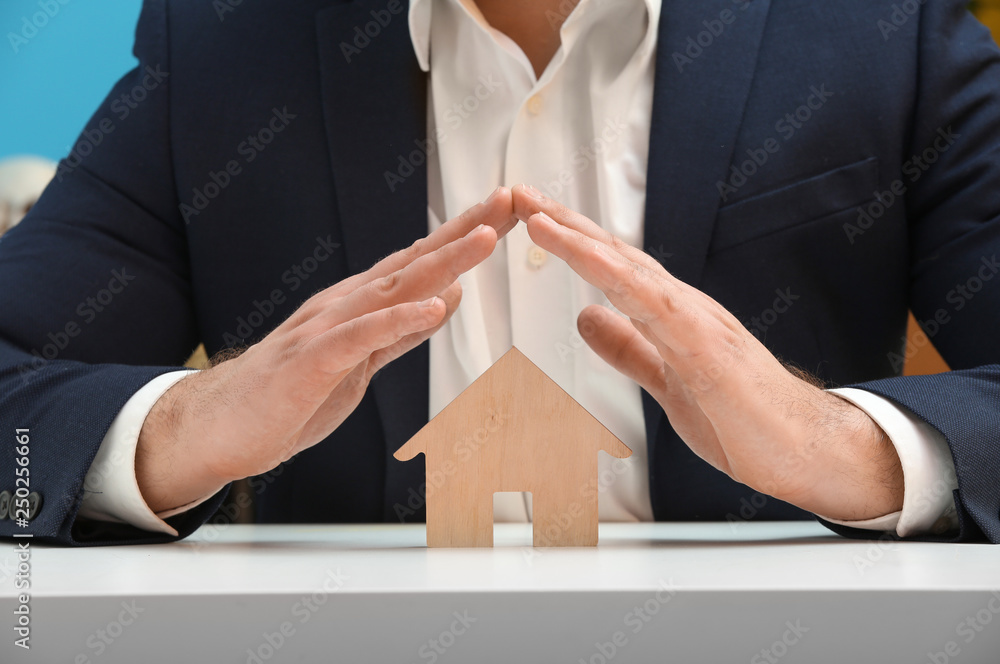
x,y
288,392
733,403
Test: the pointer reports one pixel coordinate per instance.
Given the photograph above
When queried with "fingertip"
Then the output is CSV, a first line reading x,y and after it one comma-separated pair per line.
x,y
432,310
504,205
499,202
541,228
526,200
525,189
452,295
486,231
591,319
482,235
503,196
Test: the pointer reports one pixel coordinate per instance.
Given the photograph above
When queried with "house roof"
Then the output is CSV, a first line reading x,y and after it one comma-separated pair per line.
x,y
516,403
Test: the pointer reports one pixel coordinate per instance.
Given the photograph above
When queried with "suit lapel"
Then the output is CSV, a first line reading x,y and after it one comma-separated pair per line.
x,y
698,103
698,106
375,113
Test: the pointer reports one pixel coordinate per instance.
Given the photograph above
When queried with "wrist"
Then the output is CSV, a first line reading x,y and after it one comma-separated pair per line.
x,y
858,475
170,464
864,479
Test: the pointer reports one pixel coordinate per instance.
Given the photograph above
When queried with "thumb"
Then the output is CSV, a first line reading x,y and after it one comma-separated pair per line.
x,y
618,343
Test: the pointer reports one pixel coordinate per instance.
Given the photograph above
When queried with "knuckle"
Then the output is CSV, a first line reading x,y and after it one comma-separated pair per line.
x,y
393,318
417,249
293,347
310,309
670,303
386,285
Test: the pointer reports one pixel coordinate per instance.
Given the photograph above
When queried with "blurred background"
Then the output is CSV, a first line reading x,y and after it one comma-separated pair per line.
x,y
55,81
55,75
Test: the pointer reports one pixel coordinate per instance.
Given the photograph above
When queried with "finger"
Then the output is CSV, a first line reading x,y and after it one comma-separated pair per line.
x,y
569,245
626,283
337,351
496,211
529,201
619,344
681,319
452,297
622,346
423,278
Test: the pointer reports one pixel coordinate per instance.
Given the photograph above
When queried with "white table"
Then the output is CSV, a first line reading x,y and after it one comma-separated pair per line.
x,y
648,593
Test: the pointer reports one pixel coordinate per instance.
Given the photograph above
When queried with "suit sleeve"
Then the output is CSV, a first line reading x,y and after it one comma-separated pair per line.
x,y
95,301
953,207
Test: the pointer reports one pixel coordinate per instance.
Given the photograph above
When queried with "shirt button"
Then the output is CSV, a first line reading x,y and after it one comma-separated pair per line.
x,y
537,256
535,105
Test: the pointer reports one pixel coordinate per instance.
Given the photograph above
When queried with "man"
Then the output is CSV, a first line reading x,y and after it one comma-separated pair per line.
x,y
805,169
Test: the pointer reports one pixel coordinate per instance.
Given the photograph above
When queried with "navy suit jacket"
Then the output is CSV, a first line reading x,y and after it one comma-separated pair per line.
x,y
817,167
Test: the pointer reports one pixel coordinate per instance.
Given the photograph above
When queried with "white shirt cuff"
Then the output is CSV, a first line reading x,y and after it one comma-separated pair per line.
x,y
110,489
928,469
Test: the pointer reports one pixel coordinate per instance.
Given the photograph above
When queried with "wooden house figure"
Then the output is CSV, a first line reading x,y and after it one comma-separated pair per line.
x,y
513,429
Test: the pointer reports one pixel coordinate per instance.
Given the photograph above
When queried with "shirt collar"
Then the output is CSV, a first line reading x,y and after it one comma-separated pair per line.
x,y
420,22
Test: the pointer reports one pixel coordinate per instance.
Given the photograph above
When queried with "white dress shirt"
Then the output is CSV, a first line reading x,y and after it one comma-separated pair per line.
x,y
580,133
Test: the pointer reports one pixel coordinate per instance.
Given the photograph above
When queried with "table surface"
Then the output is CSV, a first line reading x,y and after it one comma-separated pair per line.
x,y
394,558
666,592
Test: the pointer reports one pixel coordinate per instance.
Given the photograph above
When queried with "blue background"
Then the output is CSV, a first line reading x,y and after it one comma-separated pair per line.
x,y
54,83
